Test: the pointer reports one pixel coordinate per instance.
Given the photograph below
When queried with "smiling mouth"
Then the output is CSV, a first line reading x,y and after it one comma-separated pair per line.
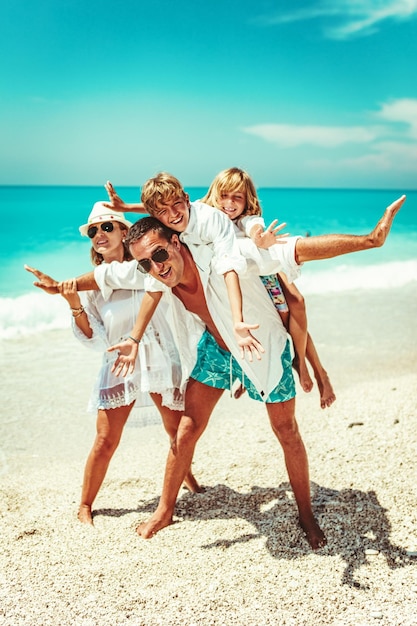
x,y
164,275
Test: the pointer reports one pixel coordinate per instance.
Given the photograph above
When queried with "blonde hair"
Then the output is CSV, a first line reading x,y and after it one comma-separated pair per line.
x,y
97,258
160,190
234,180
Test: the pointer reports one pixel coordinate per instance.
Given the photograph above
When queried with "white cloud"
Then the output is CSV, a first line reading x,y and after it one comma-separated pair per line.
x,y
390,146
291,135
347,18
397,120
402,110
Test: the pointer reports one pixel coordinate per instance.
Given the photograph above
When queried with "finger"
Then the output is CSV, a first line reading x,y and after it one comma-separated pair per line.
x,y
280,238
249,354
32,270
251,326
278,228
272,225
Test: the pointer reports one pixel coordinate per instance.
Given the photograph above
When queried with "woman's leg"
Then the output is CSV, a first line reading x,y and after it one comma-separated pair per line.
x,y
110,424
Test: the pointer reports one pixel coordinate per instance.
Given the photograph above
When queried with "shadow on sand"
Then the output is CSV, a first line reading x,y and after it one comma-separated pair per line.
x,y
353,520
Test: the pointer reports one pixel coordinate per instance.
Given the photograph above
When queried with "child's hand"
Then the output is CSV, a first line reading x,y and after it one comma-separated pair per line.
x,y
247,343
125,362
267,238
116,203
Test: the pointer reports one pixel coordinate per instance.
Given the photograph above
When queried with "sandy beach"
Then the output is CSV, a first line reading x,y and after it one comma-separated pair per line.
x,y
235,554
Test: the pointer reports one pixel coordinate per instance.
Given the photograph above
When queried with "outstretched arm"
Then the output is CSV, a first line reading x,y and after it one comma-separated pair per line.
x,y
329,246
85,282
246,341
128,350
117,204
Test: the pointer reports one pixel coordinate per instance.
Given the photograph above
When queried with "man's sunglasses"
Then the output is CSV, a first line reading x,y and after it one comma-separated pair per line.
x,y
107,227
159,256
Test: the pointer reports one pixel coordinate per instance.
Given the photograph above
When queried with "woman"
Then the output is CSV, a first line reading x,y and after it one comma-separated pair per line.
x,y
99,324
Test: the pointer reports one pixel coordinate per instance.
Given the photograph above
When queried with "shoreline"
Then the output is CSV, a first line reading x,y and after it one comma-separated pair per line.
x,y
235,554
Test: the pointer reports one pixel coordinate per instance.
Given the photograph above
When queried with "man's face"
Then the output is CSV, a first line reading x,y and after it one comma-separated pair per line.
x,y
169,272
175,213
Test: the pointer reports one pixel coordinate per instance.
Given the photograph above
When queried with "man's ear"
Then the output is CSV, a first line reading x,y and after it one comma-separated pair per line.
x,y
187,198
175,241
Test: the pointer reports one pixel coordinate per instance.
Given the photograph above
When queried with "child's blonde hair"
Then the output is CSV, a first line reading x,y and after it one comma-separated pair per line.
x,y
160,190
234,180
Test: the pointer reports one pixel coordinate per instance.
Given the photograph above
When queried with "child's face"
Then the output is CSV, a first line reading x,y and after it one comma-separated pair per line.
x,y
232,203
174,213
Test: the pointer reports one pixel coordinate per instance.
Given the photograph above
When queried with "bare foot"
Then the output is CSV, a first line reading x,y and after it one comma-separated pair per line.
x,y
148,529
381,230
314,534
239,392
84,514
327,395
300,367
191,483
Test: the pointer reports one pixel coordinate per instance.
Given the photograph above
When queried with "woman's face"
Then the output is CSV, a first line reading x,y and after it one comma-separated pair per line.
x,y
108,239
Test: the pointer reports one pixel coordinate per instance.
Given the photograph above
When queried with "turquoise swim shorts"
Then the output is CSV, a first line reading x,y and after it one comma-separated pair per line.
x,y
217,368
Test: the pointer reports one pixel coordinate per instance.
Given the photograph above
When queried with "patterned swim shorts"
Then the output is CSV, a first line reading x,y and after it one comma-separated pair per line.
x,y
217,368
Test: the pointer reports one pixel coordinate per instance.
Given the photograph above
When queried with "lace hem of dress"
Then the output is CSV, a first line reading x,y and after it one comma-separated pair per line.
x,y
171,398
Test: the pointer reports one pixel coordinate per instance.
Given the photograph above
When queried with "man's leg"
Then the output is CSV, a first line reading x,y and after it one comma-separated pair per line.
x,y
171,420
284,425
200,401
329,246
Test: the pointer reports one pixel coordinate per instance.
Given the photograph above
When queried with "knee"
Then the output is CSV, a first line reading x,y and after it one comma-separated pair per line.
x,y
297,300
188,431
287,432
104,446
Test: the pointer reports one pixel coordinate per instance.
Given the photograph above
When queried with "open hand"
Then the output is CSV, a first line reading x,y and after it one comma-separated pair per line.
x,y
125,362
115,201
45,282
247,343
270,236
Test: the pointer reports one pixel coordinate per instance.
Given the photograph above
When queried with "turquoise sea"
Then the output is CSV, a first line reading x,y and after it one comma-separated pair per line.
x,y
41,229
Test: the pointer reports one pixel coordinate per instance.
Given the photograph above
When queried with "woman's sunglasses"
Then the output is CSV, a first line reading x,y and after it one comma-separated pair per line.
x,y
159,256
107,227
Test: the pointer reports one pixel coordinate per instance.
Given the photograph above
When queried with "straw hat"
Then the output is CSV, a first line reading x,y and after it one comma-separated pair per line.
x,y
100,213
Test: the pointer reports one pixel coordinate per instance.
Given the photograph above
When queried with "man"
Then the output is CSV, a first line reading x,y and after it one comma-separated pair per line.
x,y
193,285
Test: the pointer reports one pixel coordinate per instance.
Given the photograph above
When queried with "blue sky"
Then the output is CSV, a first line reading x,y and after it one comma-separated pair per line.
x,y
318,93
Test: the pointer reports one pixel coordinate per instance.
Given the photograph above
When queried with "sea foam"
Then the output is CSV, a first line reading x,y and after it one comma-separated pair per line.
x,y
37,312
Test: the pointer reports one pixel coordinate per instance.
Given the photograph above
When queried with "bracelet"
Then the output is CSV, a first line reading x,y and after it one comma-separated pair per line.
x,y
80,308
137,341
77,312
